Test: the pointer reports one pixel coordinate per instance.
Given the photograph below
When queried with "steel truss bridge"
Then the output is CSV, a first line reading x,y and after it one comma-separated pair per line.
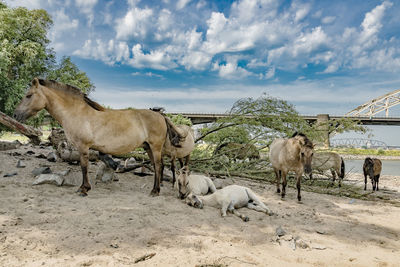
x,y
357,142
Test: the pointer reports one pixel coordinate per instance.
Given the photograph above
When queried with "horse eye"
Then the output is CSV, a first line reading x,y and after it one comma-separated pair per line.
x,y
302,154
29,96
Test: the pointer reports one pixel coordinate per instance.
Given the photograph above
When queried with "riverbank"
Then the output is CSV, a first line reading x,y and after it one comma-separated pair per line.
x,y
362,157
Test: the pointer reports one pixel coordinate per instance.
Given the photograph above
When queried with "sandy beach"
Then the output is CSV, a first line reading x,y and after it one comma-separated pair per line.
x,y
119,223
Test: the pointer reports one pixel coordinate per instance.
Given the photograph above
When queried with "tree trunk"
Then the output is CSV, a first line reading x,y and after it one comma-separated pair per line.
x,y
26,130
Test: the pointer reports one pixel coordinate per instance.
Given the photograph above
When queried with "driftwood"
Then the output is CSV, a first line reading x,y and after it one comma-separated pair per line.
x,y
145,257
26,130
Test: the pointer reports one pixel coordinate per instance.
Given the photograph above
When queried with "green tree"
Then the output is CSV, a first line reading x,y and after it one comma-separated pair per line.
x,y
67,72
24,51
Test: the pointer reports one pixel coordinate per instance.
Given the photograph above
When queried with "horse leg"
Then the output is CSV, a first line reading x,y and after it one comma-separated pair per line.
x,y
156,153
173,170
298,185
365,182
377,182
278,180
85,187
284,183
374,183
241,216
333,176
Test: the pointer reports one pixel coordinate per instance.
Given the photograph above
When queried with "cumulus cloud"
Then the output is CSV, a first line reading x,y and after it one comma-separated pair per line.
x,y
86,6
135,23
156,59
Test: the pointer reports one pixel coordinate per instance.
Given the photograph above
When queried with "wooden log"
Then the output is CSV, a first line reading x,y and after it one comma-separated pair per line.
x,y
32,133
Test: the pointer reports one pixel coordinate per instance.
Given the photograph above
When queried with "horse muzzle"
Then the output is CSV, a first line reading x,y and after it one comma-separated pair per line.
x,y
20,116
308,169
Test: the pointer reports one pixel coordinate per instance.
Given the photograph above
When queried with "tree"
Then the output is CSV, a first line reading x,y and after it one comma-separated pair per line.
x,y
67,72
25,54
24,51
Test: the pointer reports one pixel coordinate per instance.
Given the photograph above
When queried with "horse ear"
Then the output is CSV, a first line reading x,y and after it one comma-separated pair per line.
x,y
35,82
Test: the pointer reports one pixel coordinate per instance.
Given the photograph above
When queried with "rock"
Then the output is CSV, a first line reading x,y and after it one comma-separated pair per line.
x,y
10,174
302,244
20,164
63,173
318,247
104,173
280,232
41,170
67,152
41,156
287,237
29,152
49,179
321,232
6,145
52,157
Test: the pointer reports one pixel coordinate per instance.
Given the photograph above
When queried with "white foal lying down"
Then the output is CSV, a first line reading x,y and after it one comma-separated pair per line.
x,y
230,198
196,184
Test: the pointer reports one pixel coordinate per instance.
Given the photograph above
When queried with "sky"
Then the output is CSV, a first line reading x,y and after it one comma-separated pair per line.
x,y
201,56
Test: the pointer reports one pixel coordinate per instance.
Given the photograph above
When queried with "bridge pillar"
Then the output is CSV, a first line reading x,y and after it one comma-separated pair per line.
x,y
323,126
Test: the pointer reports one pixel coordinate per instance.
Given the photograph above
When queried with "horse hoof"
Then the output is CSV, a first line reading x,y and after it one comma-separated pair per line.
x,y
83,194
154,193
278,191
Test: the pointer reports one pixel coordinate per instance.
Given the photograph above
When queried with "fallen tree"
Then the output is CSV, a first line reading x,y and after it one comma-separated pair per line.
x,y
32,133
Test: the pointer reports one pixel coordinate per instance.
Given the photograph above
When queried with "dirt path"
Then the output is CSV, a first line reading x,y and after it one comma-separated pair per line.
x,y
119,222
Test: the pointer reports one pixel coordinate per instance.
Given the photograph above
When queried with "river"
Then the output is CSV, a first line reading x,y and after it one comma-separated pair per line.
x,y
389,167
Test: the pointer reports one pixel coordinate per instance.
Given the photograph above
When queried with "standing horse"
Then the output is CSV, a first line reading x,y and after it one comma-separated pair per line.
x,y
89,125
373,168
323,161
182,152
291,154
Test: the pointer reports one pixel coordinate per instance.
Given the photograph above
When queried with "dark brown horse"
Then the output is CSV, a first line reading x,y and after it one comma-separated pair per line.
x,y
373,168
89,125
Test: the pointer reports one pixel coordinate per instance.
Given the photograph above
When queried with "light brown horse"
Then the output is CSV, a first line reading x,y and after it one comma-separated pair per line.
x,y
373,168
89,125
182,152
291,154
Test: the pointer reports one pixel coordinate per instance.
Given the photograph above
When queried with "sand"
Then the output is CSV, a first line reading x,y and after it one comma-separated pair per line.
x,y
118,223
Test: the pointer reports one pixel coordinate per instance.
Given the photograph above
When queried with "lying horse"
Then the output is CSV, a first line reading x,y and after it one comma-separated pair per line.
x,y
229,199
323,161
182,152
89,125
291,154
373,168
193,183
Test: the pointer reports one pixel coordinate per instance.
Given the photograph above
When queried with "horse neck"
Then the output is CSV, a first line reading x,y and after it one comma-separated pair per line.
x,y
61,105
293,150
209,200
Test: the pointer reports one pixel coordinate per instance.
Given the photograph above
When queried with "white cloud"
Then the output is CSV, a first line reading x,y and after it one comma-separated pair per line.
x,y
135,23
328,19
182,3
155,59
230,70
86,7
62,23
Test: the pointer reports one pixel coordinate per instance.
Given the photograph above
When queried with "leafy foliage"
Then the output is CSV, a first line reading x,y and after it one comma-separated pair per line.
x,y
67,72
180,119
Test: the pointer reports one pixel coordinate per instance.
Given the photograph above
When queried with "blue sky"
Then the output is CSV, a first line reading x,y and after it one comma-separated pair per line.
x,y
201,56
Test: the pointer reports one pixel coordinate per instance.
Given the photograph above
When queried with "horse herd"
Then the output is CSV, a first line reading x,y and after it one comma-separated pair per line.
x,y
89,125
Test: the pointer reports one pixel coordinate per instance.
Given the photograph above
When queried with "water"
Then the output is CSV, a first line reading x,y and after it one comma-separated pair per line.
x,y
389,167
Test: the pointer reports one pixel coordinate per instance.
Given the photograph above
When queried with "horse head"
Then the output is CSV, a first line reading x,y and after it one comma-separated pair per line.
x,y
33,101
194,201
182,182
306,151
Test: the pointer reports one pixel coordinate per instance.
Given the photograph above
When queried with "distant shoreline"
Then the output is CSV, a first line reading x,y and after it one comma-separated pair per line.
x,y
362,157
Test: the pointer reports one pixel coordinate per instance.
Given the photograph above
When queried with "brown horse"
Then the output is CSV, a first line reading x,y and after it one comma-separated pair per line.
x,y
373,168
89,125
291,154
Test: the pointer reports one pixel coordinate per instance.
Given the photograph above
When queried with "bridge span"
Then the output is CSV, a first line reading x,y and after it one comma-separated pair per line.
x,y
200,118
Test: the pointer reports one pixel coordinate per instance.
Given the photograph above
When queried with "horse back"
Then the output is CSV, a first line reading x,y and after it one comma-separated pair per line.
x,y
285,155
326,160
377,166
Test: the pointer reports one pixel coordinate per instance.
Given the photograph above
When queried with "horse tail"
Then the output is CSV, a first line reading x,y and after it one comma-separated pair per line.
x,y
342,170
174,135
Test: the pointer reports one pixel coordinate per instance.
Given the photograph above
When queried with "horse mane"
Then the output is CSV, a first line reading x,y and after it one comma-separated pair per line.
x,y
307,142
72,90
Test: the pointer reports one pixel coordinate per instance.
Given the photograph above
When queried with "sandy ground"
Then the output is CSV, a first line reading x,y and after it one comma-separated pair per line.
x,y
119,222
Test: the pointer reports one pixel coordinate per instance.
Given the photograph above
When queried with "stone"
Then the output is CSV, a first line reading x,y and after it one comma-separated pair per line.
x,y
49,178
104,173
21,164
41,170
280,232
302,244
6,145
318,247
52,157
10,174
